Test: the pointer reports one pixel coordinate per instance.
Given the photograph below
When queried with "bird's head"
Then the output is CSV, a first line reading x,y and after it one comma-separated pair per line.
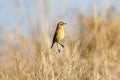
x,y
61,23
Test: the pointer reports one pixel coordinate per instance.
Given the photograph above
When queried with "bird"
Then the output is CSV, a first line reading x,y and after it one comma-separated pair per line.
x,y
59,34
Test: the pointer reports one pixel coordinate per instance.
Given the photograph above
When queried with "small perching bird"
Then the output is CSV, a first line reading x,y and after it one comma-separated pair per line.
x,y
59,34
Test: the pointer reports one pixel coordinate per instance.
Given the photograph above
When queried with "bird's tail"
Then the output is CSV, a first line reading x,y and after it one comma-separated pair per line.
x,y
51,45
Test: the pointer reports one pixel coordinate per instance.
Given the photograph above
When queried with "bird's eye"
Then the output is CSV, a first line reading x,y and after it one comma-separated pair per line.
x,y
61,24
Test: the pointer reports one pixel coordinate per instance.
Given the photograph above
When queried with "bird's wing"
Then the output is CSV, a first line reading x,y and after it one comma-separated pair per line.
x,y
55,35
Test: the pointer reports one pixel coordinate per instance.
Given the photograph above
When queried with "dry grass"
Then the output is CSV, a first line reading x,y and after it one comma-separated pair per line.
x,y
93,55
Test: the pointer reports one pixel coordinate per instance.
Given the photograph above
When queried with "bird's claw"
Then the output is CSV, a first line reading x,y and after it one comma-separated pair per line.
x,y
59,50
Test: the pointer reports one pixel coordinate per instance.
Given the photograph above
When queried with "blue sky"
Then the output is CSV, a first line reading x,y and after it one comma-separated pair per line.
x,y
14,13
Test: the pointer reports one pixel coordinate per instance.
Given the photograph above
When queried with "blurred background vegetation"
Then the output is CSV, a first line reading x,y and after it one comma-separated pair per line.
x,y
92,40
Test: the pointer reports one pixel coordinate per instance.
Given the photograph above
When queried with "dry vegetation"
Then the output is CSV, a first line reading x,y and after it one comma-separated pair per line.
x,y
93,55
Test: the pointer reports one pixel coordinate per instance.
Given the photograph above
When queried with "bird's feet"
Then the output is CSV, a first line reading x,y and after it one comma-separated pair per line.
x,y
61,45
59,50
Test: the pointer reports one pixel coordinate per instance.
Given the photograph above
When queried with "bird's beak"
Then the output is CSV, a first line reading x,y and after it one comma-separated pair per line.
x,y
65,23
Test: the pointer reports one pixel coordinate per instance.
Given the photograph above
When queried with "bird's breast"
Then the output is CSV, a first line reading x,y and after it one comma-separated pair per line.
x,y
60,34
